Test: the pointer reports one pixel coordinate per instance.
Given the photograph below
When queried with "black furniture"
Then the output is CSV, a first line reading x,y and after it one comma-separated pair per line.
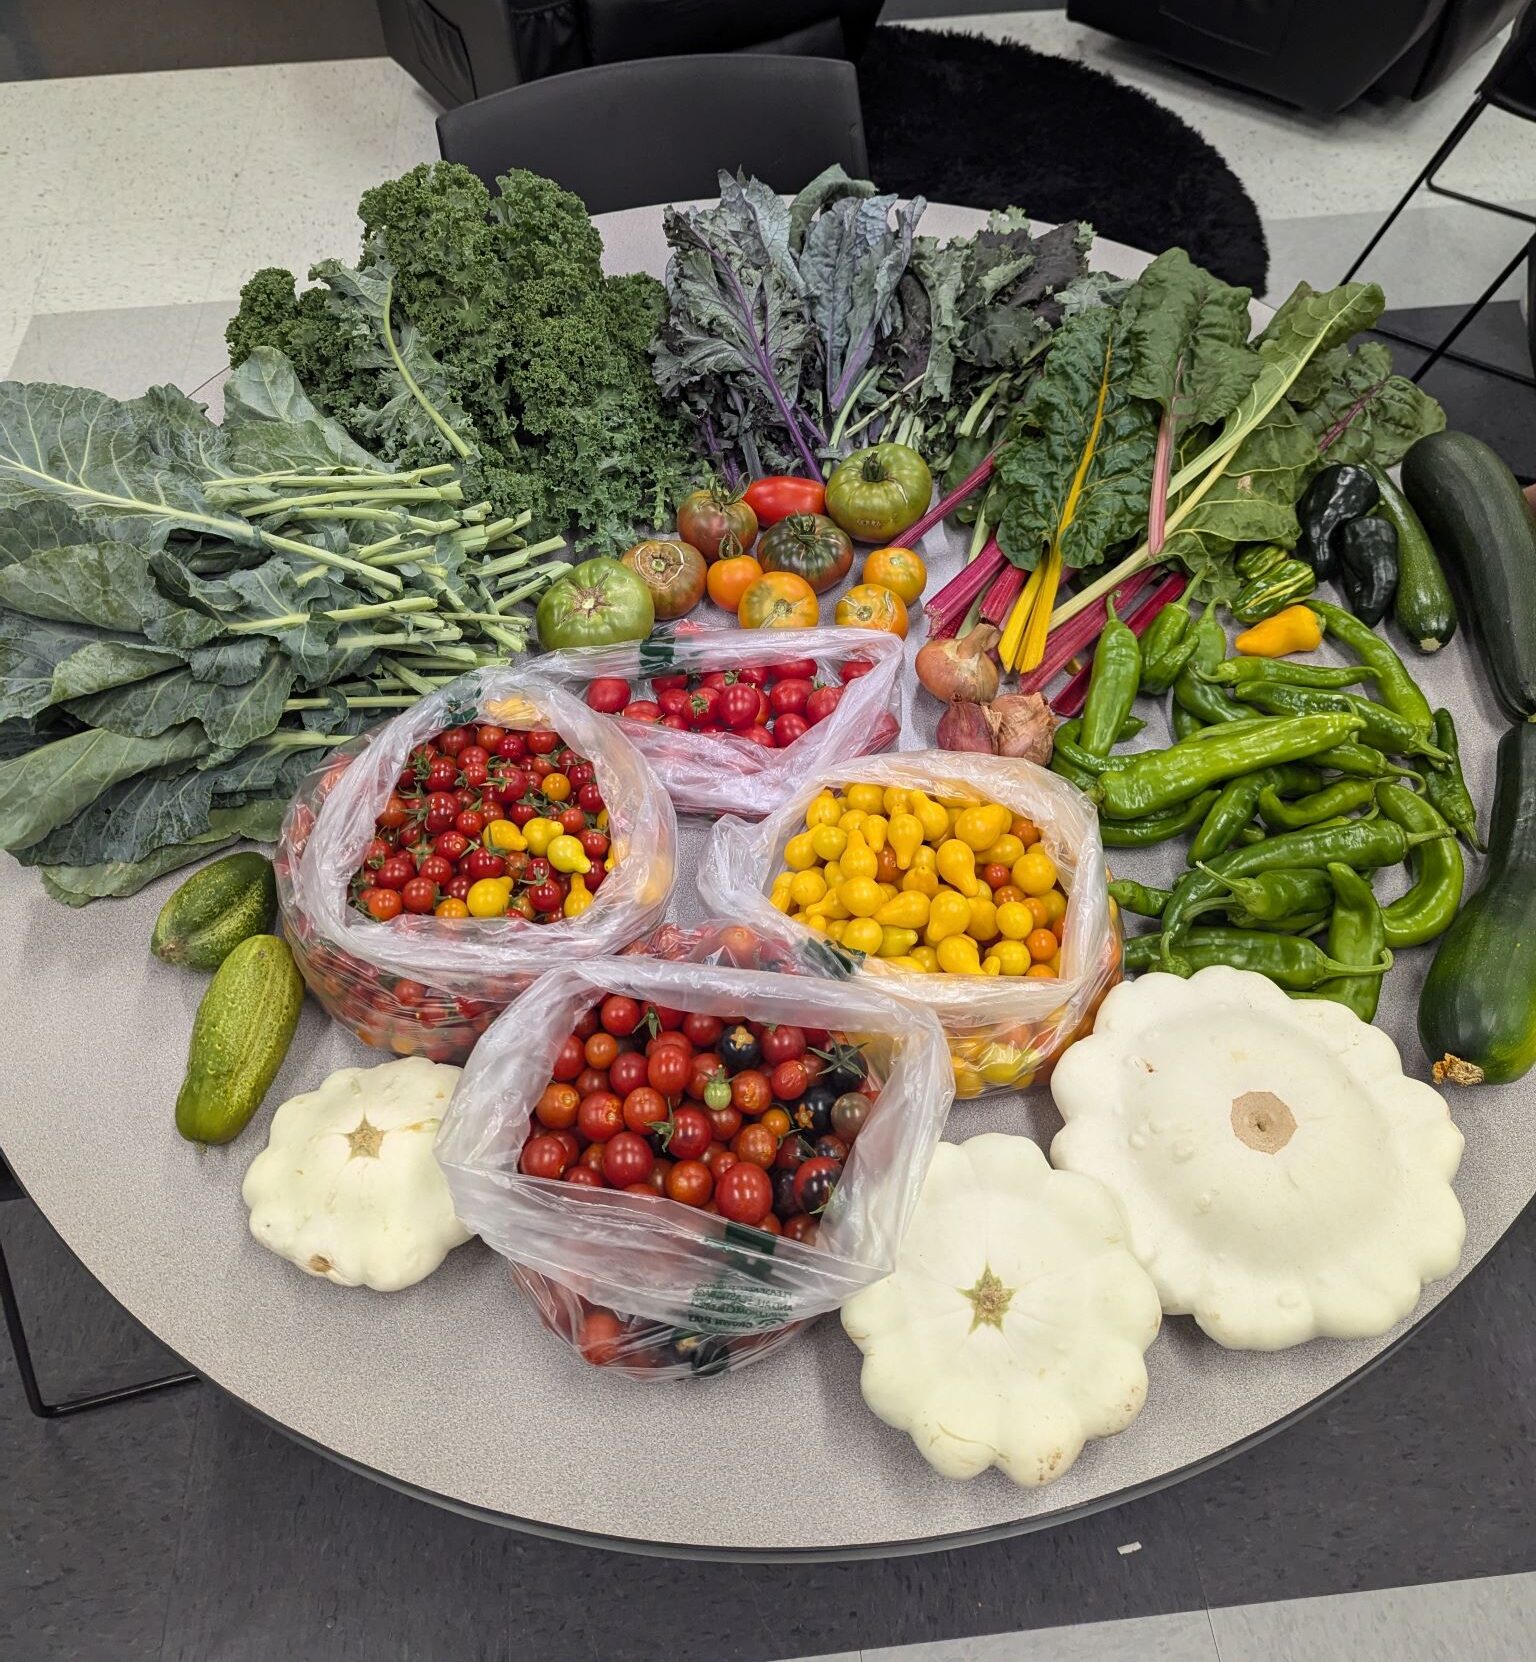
x,y
628,134
1509,86
465,49
10,1189
1319,54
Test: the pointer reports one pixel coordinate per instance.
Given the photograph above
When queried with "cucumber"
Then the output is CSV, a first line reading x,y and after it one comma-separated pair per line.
x,y
239,1038
1477,1012
1423,607
1485,535
214,910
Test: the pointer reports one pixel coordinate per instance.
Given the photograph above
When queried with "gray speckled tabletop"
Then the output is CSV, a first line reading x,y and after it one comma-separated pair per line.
x,y
453,1387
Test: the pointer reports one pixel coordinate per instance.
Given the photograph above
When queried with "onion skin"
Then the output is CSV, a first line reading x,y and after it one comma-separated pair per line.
x,y
1023,727
961,671
964,726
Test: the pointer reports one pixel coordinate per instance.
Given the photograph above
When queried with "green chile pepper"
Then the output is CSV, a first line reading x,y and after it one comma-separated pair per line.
x,y
1112,683
1343,796
1229,813
1274,895
1395,687
1289,582
1336,495
1445,786
1381,728
1156,828
1190,689
1357,934
1438,870
1139,898
1185,723
1359,761
1067,742
1167,646
1247,672
1069,771
1154,780
1361,844
1368,566
1290,961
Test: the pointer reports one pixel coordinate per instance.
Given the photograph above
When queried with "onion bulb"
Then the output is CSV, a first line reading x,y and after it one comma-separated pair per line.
x,y
961,671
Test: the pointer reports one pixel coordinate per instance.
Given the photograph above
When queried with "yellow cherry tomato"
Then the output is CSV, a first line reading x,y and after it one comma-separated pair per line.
x,y
501,836
566,854
919,881
486,899
829,841
868,799
835,928
820,925
901,570
909,963
1012,958
861,895
778,895
1003,852
823,810
829,906
540,833
896,799
450,908
1055,904
876,830
1035,872
798,852
958,956
896,943
858,859
934,821
1040,972
904,832
927,957
1014,921
579,898
862,935
948,914
852,819
807,887
908,910
980,827
832,874
957,865
983,924
556,787
926,859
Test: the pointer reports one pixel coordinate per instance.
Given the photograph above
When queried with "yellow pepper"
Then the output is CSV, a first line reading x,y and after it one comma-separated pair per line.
x,y
906,911
868,799
829,841
1003,852
1296,629
579,898
861,895
538,834
565,854
957,865
983,924
958,956
807,887
948,914
896,799
876,830
798,853
980,827
1014,920
501,836
858,859
487,898
904,832
927,957
1011,958
862,935
920,882
932,818
894,943
823,810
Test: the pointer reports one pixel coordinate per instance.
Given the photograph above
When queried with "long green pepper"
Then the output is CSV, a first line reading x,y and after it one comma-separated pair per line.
x,y
1156,828
1191,691
1438,870
1381,728
1343,796
1112,684
1273,895
1290,961
1447,788
1248,672
1167,646
1357,934
1141,899
1396,688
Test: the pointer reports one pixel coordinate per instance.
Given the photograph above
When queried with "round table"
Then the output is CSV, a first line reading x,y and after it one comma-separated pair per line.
x,y
453,1391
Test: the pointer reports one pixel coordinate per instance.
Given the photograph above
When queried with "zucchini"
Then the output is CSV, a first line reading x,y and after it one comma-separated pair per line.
x,y
239,1038
1281,586
1424,610
1485,534
1477,1012
214,910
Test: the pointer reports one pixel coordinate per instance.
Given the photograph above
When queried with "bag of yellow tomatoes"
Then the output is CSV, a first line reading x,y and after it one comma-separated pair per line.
x,y
971,885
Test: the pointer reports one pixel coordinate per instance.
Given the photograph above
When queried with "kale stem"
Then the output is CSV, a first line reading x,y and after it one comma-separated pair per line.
x,y
455,443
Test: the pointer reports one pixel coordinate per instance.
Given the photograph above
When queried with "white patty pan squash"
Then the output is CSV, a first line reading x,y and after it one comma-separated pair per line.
x,y
1283,1179
348,1187
1014,1324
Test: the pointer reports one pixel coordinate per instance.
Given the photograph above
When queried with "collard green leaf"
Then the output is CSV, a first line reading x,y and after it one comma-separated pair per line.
x,y
1366,413
270,422
48,786
234,717
106,585
1078,470
143,709
1189,341
114,879
43,523
229,663
43,663
178,433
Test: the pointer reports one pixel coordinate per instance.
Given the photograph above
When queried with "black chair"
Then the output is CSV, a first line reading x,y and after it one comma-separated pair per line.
x,y
10,1189
464,49
626,135
1509,86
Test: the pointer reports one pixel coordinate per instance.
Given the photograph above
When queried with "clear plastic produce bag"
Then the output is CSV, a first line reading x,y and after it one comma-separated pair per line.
x,y
428,984
648,1285
1003,1031
718,773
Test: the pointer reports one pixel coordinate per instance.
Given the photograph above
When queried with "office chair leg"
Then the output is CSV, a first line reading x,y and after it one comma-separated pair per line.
x,y
1449,340
72,1405
1431,167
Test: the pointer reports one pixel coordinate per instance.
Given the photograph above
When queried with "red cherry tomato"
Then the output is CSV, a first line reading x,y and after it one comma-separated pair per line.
x,y
542,742
854,668
619,1015
393,814
470,823
600,1116
512,746
744,1194
452,845
557,1106
788,1081
669,682
703,706
608,694
755,675
756,1145
627,1159
584,1176
705,1066
738,705
601,1049
724,1122
594,844
782,1042
788,697
382,904
759,736
793,669
586,1022
814,1183
673,701
689,1134
821,703
668,1070
667,1019
751,1093
678,724
690,1182
644,1109
627,1072
419,895
547,897
454,740
590,797
590,1080
642,709
481,862
543,1157
788,728
701,1030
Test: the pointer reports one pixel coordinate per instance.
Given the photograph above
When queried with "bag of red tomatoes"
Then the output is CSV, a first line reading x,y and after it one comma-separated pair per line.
x,y
434,868
732,719
682,1163
971,886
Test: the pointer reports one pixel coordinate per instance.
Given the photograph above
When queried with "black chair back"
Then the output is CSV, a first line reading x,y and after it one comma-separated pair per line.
x,y
1511,83
626,135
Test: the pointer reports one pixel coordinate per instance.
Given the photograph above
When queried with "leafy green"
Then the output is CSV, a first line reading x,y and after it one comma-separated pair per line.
x,y
1365,412
1189,340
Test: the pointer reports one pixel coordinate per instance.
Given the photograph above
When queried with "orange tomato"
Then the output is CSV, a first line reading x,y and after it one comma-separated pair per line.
x,y
871,606
900,570
779,600
729,580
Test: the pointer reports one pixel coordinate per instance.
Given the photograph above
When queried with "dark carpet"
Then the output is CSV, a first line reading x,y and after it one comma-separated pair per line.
x,y
966,120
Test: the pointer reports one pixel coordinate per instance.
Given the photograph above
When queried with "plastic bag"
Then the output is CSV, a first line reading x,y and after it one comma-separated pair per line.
x,y
1003,1031
421,983
718,773
681,1290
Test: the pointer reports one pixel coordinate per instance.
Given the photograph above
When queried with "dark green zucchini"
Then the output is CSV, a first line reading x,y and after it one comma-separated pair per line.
x,y
1485,535
1477,1012
1423,607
